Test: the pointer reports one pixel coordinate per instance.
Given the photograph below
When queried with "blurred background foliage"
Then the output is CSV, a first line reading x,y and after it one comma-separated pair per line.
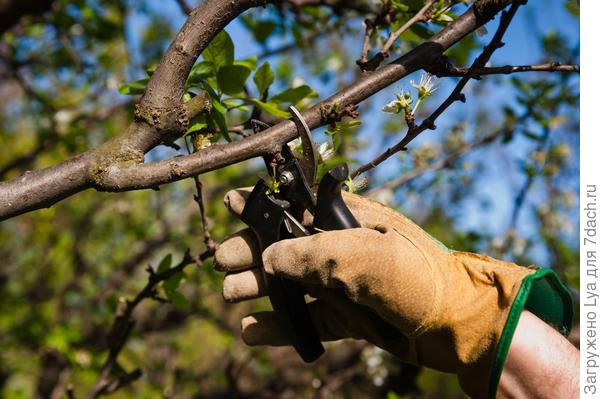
x,y
498,176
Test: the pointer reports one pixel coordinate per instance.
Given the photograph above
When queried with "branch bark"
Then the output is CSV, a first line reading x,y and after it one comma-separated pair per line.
x,y
505,70
118,164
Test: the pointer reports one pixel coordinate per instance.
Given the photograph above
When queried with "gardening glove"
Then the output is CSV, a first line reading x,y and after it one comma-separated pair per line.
x,y
393,285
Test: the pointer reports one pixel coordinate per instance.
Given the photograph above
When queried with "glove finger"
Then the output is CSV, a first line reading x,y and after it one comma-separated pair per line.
x,y
237,252
264,328
331,258
248,284
336,318
235,200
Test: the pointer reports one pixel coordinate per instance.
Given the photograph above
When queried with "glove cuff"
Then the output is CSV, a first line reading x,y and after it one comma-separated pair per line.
x,y
543,294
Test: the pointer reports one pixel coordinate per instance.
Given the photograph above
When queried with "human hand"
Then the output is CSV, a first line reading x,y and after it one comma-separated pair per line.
x,y
388,282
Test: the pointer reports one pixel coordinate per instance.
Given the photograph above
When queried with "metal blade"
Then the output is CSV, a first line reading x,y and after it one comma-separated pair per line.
x,y
308,163
294,226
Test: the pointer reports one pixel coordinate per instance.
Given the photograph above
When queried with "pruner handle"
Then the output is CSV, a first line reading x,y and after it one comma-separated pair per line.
x,y
265,216
331,212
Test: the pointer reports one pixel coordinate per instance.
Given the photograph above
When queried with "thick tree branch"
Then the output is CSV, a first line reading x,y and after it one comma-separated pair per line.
x,y
117,165
161,114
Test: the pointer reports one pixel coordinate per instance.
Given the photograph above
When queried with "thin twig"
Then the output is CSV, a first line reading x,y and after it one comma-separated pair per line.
x,y
385,16
364,54
185,8
456,95
506,69
123,325
211,246
449,161
420,16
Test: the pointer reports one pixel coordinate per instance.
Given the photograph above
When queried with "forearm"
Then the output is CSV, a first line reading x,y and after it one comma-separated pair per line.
x,y
541,363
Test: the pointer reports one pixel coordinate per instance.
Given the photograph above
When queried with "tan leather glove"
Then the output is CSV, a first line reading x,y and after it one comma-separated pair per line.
x,y
392,284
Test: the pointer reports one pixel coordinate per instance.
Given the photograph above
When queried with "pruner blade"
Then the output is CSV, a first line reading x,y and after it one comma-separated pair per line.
x,y
293,226
308,163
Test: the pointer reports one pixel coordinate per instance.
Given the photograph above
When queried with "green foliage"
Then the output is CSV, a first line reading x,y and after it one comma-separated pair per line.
x,y
219,51
263,78
232,78
294,95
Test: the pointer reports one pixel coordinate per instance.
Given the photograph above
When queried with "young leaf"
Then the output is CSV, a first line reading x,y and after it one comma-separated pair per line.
x,y
295,95
201,70
269,107
262,30
220,50
231,78
217,114
173,282
249,62
178,299
165,264
263,78
198,123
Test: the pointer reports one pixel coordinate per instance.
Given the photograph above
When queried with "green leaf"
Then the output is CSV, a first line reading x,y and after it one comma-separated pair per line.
x,y
198,123
231,78
165,264
200,71
399,6
173,282
220,50
134,88
262,30
178,299
248,62
217,114
150,70
295,95
269,107
263,78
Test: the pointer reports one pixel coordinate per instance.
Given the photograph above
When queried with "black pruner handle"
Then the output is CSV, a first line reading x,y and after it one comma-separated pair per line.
x,y
265,215
331,212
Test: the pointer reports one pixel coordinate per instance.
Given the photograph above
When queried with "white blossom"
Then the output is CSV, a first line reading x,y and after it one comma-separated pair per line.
x,y
356,184
426,85
325,151
403,101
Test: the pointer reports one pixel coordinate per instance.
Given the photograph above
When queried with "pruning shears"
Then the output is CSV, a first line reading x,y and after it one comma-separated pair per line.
x,y
274,210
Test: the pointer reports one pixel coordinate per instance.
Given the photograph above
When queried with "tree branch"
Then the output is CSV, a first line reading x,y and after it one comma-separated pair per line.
x,y
506,69
420,16
117,165
185,8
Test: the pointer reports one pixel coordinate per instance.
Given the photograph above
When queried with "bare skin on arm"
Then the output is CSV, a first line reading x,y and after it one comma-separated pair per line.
x,y
541,363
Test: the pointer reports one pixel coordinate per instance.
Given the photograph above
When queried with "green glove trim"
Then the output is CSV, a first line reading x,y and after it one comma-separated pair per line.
x,y
543,294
